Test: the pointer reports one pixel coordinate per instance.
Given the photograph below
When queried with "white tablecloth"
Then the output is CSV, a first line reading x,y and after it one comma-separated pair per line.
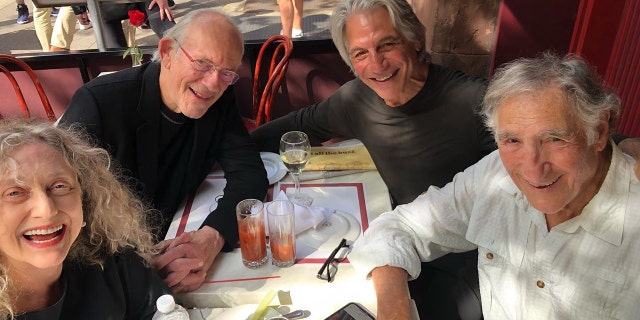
x,y
231,288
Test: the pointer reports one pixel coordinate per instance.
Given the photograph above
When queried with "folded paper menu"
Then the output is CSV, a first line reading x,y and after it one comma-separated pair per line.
x,y
340,157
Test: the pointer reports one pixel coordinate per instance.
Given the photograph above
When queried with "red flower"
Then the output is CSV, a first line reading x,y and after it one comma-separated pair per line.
x,y
136,17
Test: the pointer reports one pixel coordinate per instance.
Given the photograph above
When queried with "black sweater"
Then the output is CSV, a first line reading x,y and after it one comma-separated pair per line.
x,y
125,289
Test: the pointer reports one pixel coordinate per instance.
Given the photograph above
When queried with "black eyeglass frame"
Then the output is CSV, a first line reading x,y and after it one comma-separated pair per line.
x,y
332,261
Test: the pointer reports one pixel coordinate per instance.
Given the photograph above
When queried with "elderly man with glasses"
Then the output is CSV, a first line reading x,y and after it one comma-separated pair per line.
x,y
167,123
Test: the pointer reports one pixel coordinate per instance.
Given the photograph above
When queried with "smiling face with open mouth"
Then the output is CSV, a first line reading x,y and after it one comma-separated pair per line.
x,y
209,41
384,61
40,209
546,154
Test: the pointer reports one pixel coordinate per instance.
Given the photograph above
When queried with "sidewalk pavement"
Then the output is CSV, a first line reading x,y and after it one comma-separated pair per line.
x,y
257,19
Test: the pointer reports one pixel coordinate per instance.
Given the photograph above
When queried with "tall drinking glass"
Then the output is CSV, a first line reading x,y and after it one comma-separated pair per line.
x,y
282,232
294,151
253,242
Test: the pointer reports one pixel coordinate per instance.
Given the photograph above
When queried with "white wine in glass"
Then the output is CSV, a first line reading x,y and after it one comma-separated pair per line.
x,y
294,151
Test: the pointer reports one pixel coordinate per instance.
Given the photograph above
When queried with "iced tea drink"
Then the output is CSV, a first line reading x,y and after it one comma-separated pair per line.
x,y
282,233
253,245
283,249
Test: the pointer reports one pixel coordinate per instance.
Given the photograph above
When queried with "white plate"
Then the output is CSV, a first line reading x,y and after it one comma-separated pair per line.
x,y
328,234
274,166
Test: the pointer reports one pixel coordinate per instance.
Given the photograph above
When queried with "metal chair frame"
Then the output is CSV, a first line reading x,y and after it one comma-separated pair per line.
x,y
16,86
277,70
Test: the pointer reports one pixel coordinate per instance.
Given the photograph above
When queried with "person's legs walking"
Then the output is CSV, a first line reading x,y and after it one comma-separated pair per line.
x,y
286,17
296,31
23,12
83,17
42,25
291,12
63,30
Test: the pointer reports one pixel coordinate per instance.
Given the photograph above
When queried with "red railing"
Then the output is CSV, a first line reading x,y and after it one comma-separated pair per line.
x,y
623,71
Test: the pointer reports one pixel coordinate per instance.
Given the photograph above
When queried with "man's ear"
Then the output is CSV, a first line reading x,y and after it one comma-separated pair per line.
x,y
417,46
604,132
165,49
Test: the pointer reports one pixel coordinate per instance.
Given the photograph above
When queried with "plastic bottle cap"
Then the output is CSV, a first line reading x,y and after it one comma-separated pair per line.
x,y
165,303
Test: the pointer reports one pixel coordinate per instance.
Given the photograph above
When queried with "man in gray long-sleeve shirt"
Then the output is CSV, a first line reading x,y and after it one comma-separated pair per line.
x,y
418,121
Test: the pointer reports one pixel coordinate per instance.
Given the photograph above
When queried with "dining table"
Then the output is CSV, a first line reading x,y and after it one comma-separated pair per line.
x,y
233,291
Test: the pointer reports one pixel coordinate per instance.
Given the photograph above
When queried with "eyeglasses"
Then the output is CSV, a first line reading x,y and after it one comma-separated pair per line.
x,y
229,77
331,264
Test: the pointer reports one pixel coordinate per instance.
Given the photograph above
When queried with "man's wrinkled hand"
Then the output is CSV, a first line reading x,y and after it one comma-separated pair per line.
x,y
184,261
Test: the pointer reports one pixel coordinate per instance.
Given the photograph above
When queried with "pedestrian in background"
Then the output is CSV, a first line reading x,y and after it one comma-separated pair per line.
x,y
291,12
23,12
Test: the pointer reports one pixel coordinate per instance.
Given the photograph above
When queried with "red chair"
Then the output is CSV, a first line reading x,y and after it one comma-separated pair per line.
x,y
263,96
16,87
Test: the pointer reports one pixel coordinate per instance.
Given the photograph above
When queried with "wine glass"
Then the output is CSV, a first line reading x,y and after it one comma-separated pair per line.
x,y
294,151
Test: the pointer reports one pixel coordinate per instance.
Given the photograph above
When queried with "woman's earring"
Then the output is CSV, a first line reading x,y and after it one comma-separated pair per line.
x,y
84,224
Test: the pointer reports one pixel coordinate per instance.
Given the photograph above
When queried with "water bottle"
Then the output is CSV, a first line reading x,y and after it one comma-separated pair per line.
x,y
169,310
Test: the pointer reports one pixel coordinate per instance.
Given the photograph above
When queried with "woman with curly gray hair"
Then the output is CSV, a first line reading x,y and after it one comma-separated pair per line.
x,y
73,240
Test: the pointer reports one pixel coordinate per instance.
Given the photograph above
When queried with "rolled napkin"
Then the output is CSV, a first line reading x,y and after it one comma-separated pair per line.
x,y
305,216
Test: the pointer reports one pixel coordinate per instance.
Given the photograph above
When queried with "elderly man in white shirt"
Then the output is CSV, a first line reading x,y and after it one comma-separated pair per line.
x,y
554,212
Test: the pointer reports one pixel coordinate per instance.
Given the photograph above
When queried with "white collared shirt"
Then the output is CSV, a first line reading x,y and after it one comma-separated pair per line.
x,y
585,268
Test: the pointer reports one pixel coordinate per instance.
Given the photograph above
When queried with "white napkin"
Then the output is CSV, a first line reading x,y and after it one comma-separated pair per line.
x,y
305,216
